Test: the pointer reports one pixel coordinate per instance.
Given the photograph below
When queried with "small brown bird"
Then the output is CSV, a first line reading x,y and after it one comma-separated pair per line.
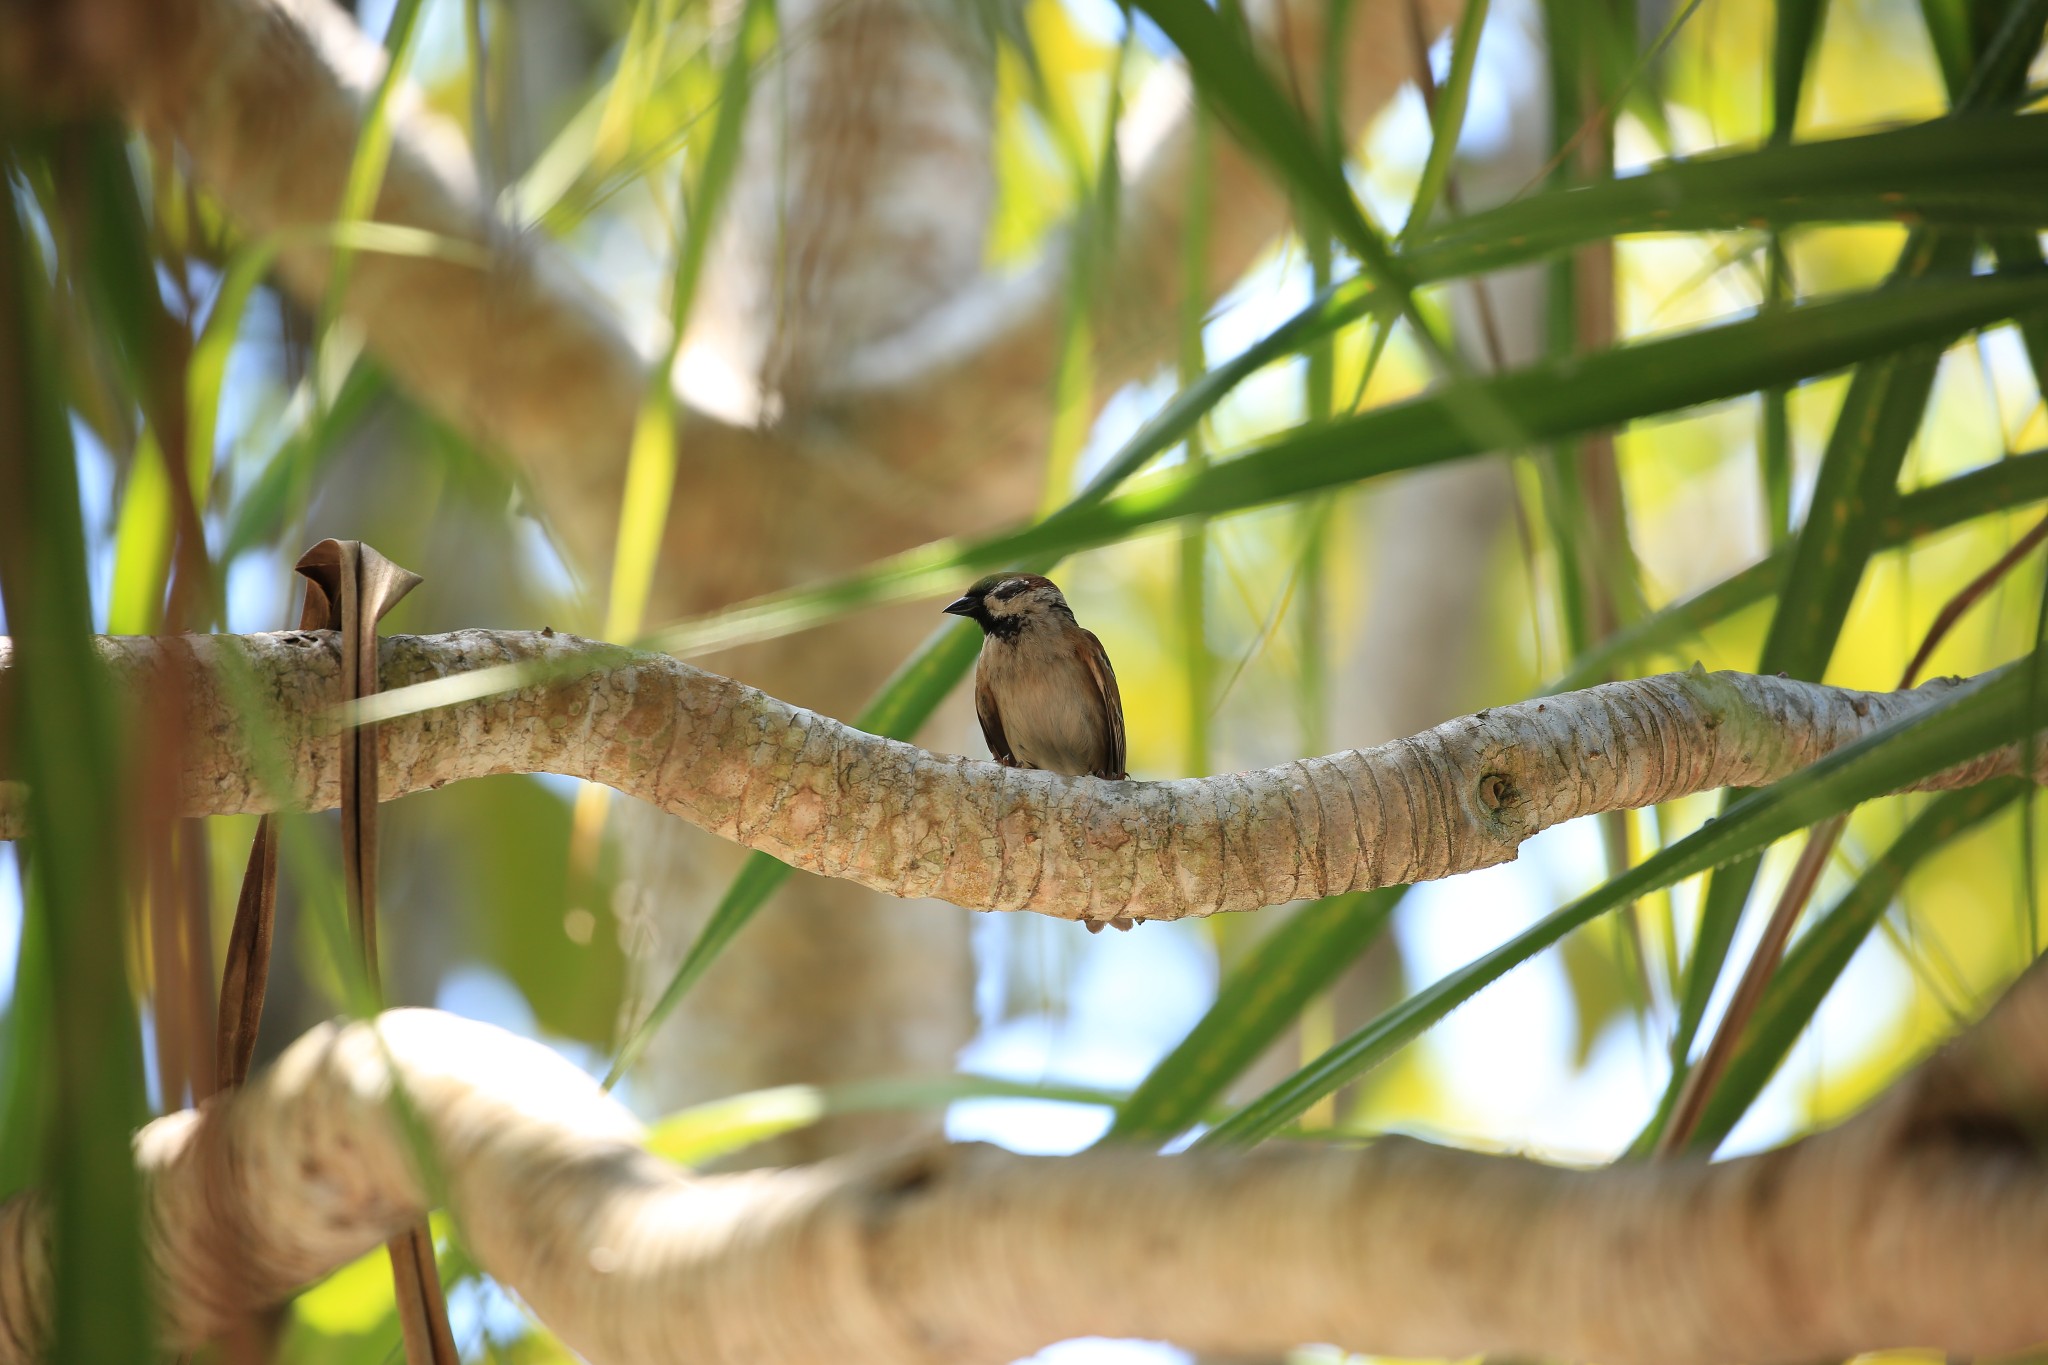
x,y
1043,687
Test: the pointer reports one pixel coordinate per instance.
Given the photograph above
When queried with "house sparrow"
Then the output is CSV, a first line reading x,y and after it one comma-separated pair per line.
x,y
1043,688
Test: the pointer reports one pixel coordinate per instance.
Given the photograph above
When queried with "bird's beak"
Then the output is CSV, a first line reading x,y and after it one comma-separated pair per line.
x,y
963,607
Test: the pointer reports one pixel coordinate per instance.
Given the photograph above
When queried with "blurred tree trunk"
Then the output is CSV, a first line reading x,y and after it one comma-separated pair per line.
x,y
861,205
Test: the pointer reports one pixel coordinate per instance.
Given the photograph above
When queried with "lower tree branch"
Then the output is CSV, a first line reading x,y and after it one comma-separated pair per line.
x,y
890,816
1923,1222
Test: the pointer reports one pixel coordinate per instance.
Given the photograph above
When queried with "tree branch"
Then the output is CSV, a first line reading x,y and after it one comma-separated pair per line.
x,y
986,356
265,98
890,816
1923,1222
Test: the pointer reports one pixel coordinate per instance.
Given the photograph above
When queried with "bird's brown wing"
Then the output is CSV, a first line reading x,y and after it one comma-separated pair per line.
x,y
1097,660
991,720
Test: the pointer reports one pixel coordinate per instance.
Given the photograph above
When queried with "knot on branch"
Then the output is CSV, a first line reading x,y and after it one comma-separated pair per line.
x,y
1504,807
1718,699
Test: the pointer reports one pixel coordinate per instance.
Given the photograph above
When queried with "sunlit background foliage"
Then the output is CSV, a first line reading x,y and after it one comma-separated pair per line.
x,y
1240,640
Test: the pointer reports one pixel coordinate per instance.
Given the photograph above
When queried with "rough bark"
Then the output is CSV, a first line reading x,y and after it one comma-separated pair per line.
x,y
896,818
876,121
1923,1222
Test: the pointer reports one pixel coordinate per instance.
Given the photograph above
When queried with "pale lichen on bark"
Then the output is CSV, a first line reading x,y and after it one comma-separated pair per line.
x,y
829,799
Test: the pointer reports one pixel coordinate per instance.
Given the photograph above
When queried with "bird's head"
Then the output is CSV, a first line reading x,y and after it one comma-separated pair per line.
x,y
1002,602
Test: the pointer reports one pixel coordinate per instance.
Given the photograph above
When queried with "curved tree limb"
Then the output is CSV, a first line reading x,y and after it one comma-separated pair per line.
x,y
265,98
829,799
1922,1222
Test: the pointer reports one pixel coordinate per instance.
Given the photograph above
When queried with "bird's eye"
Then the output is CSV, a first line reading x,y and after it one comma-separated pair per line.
x,y
1009,590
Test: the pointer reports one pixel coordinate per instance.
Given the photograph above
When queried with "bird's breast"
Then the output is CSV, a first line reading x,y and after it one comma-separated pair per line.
x,y
1051,714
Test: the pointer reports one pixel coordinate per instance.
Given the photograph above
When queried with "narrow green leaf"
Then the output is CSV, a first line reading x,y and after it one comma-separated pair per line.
x,y
372,154
536,195
1945,172
1967,722
1448,121
1774,437
2004,485
651,461
1559,398
1878,420
758,878
1948,30
119,270
1798,25
1198,660
640,61
1999,75
116,268
1819,958
2011,483
1565,48
751,45
1305,954
1858,477
1268,990
143,532
705,1132
1550,400
1232,77
62,732
206,371
1092,242
288,478
27,1074
925,679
